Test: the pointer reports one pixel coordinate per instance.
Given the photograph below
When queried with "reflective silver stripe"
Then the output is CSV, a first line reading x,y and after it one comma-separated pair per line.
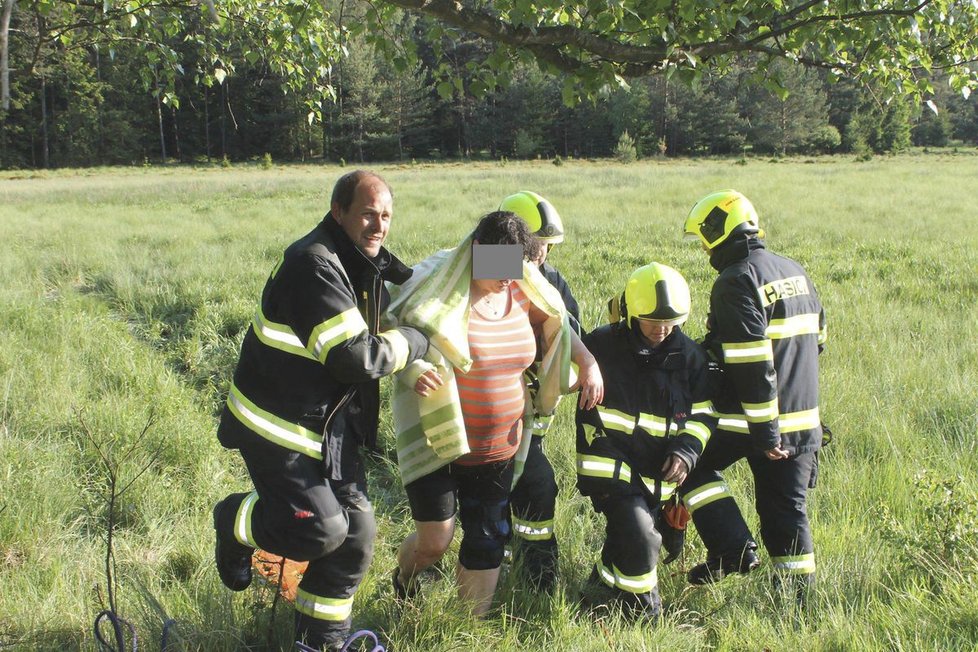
x,y
797,421
705,407
804,324
654,425
335,609
632,583
274,429
242,520
533,530
733,423
667,488
795,564
335,331
744,352
602,467
761,412
705,495
400,346
697,430
279,336
616,420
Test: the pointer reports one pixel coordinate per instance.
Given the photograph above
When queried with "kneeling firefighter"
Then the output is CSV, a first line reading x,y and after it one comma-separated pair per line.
x,y
641,441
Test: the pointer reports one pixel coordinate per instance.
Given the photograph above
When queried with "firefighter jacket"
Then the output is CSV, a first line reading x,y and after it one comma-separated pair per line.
x,y
557,280
657,402
308,375
767,327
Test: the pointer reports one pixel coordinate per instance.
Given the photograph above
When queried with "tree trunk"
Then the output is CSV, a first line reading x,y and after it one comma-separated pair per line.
x,y
159,121
207,123
8,9
98,111
45,159
176,133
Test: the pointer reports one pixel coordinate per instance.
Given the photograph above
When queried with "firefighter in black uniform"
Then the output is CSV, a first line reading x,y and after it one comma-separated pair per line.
x,y
534,497
639,444
304,398
767,327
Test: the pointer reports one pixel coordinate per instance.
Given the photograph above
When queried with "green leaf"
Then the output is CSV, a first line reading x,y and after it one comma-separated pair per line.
x,y
445,90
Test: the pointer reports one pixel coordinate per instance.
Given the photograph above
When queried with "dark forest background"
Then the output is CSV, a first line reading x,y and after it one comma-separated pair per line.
x,y
84,106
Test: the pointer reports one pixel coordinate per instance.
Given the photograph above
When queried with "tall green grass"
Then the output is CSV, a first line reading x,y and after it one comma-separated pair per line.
x,y
126,293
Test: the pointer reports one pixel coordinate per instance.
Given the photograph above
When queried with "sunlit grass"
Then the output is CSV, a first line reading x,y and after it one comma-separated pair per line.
x,y
126,293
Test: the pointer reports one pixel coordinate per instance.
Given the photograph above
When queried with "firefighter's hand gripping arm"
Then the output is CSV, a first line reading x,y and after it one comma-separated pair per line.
x,y
675,470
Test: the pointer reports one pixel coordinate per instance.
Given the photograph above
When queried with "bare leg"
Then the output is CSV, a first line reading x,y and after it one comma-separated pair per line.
x,y
423,547
477,587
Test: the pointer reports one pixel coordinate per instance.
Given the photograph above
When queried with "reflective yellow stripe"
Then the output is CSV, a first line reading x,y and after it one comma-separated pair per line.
x,y
400,346
614,578
654,425
823,335
648,482
616,420
708,493
787,422
761,412
279,336
668,489
797,421
335,331
314,606
698,430
242,520
795,564
704,407
274,429
805,324
602,467
533,530
744,352
733,423
784,288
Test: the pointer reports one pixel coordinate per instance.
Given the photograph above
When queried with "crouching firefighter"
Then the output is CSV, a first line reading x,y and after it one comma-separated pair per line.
x,y
641,441
304,398
767,327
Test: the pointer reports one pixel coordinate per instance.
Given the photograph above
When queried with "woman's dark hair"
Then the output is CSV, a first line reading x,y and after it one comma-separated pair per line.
x,y
503,227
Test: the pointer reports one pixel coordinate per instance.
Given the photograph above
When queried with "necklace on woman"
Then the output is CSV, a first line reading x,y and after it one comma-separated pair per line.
x,y
493,302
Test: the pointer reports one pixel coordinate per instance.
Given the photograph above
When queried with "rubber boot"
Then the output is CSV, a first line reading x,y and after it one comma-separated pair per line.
x,y
233,559
716,568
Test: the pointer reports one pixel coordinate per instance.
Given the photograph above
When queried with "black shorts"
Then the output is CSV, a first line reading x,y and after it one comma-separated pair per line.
x,y
436,496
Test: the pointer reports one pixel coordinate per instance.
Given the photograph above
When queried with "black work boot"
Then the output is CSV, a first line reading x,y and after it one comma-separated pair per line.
x,y
232,558
320,635
715,569
540,564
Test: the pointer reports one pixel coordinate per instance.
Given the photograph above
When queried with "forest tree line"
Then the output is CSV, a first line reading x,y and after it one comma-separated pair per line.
x,y
85,106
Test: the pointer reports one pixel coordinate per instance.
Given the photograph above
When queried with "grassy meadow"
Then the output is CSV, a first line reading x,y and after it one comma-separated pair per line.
x,y
125,294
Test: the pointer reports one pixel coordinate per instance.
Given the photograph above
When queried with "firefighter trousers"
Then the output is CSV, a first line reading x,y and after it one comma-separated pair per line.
x,y
295,512
630,552
780,495
533,502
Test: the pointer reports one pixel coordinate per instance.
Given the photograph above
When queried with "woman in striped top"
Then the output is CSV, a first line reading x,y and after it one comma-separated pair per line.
x,y
502,338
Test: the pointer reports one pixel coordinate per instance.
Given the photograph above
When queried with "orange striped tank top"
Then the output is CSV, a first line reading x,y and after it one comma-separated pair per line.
x,y
491,393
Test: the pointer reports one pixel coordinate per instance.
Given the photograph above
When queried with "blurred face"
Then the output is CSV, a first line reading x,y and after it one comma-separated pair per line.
x,y
655,331
368,219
